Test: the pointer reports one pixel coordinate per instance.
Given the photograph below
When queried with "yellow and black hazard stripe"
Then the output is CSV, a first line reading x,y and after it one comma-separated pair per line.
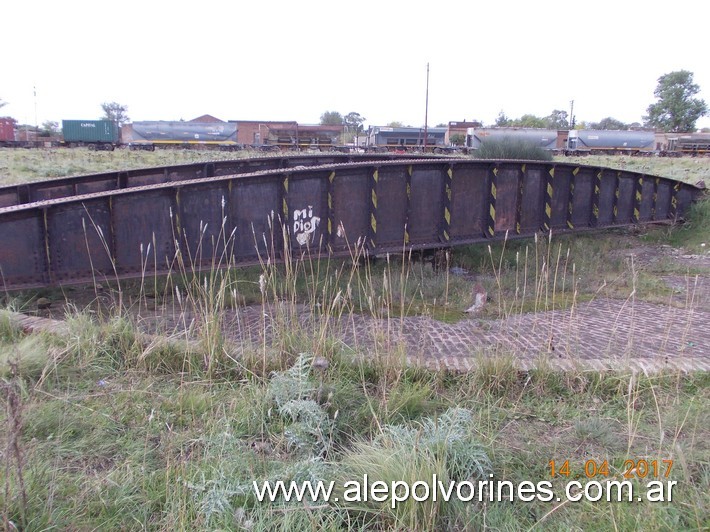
x,y
331,212
549,191
284,200
596,194
519,199
492,193
374,179
617,192
49,272
570,201
674,200
638,197
448,186
408,191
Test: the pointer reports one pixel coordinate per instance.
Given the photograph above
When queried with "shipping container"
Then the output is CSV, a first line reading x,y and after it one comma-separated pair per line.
x,y
7,129
90,131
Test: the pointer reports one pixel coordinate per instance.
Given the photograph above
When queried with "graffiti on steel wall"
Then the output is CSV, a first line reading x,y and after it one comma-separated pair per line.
x,y
304,225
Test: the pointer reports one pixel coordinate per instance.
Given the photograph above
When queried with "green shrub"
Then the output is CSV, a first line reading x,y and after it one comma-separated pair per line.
x,y
516,149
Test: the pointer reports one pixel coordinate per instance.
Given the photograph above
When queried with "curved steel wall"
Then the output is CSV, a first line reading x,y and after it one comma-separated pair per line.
x,y
324,208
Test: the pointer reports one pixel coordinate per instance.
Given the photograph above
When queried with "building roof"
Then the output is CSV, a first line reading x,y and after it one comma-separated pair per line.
x,y
206,118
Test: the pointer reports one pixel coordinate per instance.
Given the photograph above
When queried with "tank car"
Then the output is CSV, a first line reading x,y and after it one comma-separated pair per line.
x,y
610,142
149,134
544,138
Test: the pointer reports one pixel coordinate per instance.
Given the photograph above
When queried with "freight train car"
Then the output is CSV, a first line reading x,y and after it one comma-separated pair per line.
x,y
610,142
572,142
301,137
96,134
405,139
147,135
548,139
7,131
679,144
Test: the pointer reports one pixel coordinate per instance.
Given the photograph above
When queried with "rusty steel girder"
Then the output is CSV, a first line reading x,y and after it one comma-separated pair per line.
x,y
88,184
326,208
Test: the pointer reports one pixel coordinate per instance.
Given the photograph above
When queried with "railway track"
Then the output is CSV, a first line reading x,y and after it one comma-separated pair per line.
x,y
143,222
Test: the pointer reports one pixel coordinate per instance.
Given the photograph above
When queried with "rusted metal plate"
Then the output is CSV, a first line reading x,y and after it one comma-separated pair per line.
x,y
307,211
532,200
23,253
80,240
581,202
255,207
388,205
350,225
507,183
205,225
560,182
625,199
425,212
143,230
647,199
663,200
607,197
8,197
469,201
94,186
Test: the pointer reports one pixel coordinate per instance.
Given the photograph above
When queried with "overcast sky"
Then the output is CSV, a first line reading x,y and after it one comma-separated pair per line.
x,y
295,59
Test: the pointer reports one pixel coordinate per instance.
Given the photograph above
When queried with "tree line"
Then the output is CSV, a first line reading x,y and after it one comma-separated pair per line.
x,y
676,109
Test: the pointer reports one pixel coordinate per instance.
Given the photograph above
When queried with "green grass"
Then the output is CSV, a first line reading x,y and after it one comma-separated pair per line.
x,y
687,169
506,148
21,165
120,448
27,165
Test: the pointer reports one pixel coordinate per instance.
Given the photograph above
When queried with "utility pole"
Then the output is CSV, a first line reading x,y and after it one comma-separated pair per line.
x,y
426,106
35,95
571,115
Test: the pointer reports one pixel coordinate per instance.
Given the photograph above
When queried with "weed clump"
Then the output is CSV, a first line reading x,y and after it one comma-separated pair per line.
x,y
512,149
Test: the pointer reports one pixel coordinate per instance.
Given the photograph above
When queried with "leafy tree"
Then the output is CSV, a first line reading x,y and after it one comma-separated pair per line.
x,y
353,121
557,120
331,118
676,109
608,123
115,112
395,124
529,120
458,139
49,128
503,120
